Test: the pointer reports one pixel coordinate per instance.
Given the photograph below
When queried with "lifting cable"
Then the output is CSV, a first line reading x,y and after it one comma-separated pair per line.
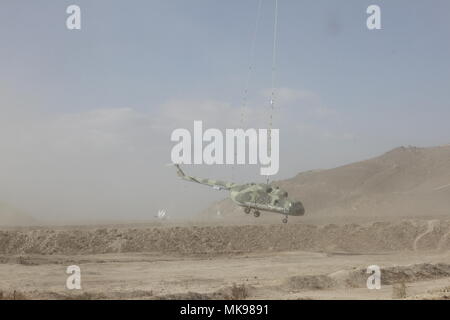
x,y
248,77
272,95
250,66
249,73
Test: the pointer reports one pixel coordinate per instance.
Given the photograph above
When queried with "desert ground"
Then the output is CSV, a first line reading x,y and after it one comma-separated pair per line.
x,y
262,260
391,211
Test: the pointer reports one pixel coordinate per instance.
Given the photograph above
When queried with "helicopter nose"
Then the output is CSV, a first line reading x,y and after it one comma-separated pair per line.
x,y
298,209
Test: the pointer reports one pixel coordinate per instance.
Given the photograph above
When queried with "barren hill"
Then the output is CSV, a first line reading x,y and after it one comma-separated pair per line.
x,y
404,182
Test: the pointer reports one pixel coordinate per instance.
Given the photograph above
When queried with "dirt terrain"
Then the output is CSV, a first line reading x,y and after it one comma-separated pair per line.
x,y
391,211
272,261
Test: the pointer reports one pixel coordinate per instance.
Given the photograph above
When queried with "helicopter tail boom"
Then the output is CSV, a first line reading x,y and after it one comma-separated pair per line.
x,y
216,184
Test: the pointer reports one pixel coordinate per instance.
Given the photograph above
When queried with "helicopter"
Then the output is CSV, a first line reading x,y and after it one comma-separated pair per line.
x,y
253,196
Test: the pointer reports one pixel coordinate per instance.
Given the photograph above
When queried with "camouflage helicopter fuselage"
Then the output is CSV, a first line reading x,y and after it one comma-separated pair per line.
x,y
253,196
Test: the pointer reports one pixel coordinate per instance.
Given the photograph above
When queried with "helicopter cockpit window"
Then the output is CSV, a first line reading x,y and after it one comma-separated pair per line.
x,y
269,190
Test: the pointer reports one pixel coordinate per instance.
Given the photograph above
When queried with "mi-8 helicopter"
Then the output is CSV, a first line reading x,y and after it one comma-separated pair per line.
x,y
253,196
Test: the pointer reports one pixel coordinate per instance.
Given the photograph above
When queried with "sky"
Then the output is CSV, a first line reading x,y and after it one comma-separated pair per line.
x,y
86,115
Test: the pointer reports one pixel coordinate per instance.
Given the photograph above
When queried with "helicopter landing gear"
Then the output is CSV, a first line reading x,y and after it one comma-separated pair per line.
x,y
256,214
285,219
247,210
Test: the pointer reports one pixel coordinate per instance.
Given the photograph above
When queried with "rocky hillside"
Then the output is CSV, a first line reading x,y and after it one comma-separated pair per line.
x,y
404,182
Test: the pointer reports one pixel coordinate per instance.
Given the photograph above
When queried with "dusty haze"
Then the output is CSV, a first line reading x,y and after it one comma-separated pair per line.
x,y
86,116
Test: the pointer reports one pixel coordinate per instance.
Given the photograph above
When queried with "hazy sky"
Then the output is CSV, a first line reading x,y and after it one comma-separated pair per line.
x,y
86,115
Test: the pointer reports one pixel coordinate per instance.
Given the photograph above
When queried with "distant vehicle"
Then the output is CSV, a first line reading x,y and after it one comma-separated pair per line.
x,y
253,196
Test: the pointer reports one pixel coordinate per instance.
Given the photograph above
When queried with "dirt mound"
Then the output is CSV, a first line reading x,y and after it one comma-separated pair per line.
x,y
436,294
234,292
405,182
357,278
213,240
310,282
392,275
